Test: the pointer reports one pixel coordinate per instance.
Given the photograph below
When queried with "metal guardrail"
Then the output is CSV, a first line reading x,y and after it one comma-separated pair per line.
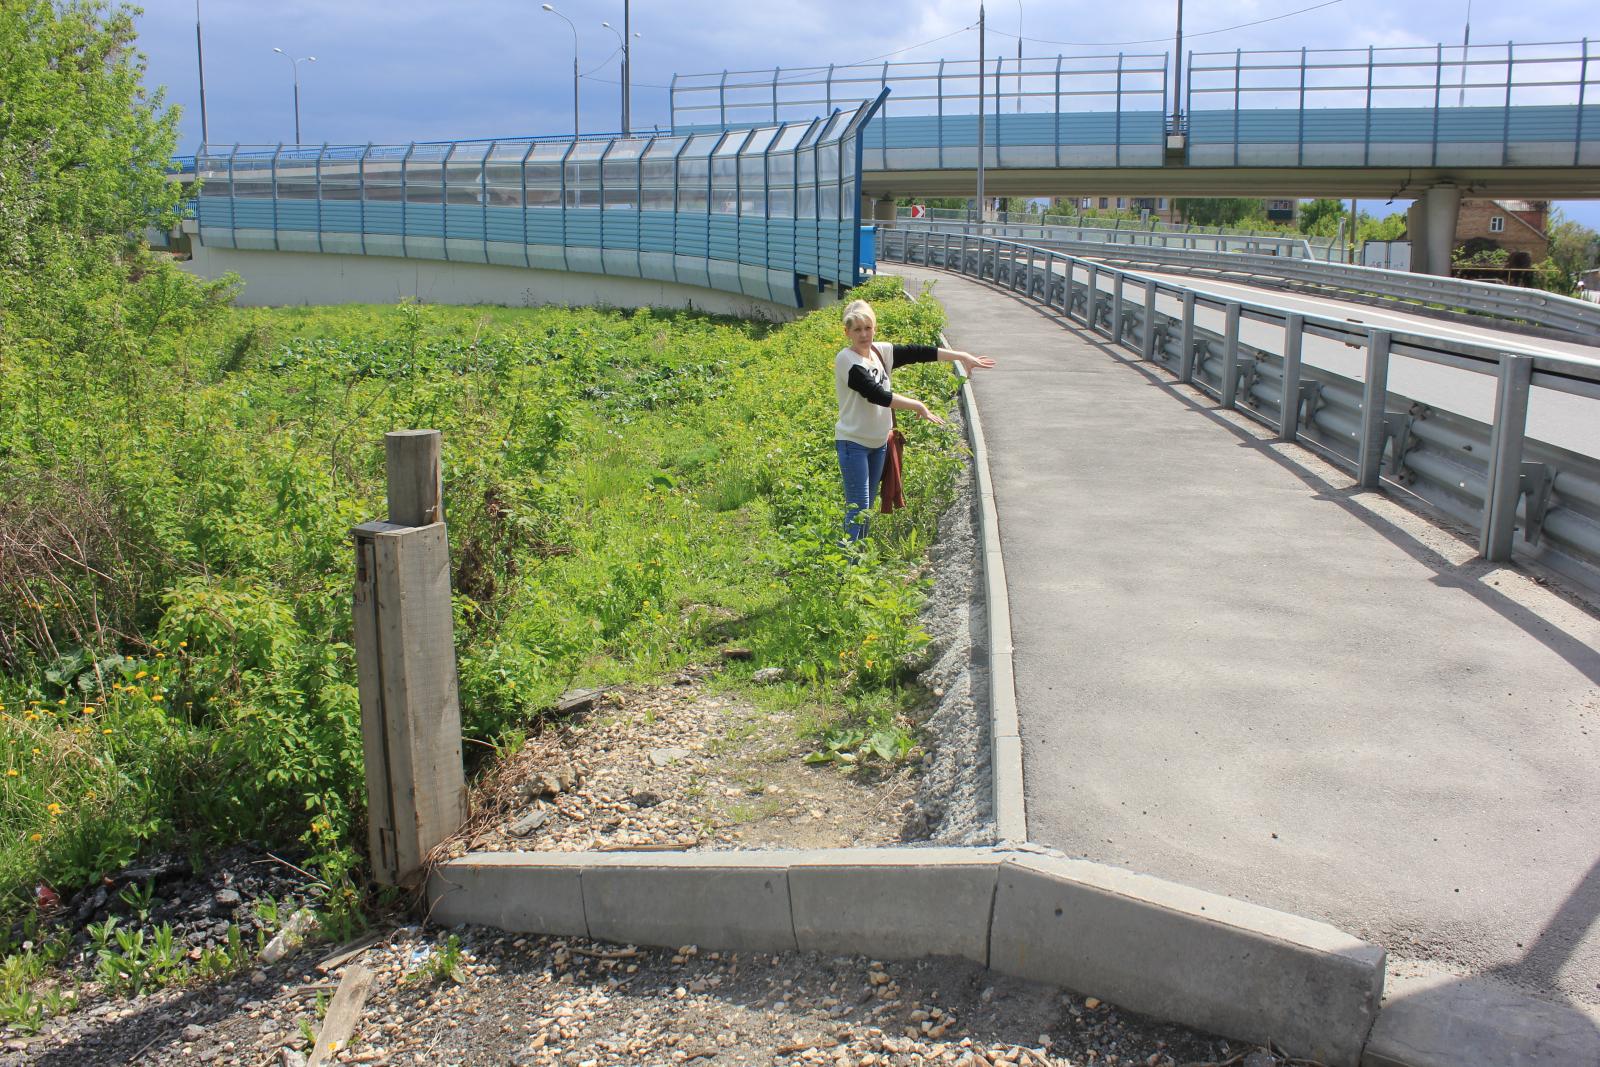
x,y
1324,248
1274,246
1425,293
1490,476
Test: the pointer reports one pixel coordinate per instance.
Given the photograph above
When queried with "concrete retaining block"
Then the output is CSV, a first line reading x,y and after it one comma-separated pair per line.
x,y
894,904
525,892
719,900
1192,957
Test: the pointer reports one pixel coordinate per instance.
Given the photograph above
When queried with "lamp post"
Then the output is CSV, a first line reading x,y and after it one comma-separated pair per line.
x,y
200,61
574,30
1177,71
981,60
295,63
1019,57
622,44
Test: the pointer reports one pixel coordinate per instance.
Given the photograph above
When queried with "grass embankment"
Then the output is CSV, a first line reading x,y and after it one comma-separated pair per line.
x,y
625,492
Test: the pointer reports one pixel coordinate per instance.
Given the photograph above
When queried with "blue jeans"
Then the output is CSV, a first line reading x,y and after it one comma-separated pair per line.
x,y
862,468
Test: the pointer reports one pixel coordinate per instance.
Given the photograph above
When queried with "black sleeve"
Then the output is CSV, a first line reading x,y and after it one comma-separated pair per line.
x,y
875,391
905,355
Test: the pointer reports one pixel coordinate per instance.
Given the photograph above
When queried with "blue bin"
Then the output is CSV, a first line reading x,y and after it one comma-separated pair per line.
x,y
869,250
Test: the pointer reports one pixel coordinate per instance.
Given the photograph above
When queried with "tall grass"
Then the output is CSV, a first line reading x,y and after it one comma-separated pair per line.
x,y
624,492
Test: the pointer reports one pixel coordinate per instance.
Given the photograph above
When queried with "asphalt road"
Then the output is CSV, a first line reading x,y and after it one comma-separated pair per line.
x,y
1236,672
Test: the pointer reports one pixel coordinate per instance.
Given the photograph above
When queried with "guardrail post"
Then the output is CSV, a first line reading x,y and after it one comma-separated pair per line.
x,y
1092,299
1116,308
1066,289
1230,355
1374,398
1147,349
1186,340
1505,457
1289,399
406,666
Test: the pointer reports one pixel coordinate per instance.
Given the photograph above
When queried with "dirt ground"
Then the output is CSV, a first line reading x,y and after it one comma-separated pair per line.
x,y
547,1001
679,766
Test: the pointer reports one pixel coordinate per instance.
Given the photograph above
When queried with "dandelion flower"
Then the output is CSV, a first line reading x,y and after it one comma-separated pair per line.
x,y
11,772
141,674
38,752
158,698
107,731
183,644
35,838
88,709
161,655
53,809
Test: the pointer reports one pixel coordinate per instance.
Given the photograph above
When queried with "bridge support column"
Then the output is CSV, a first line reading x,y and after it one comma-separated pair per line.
x,y
1432,246
883,211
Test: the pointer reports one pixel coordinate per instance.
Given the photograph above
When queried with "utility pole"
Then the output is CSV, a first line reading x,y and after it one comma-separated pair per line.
x,y
981,61
627,66
1177,74
1466,39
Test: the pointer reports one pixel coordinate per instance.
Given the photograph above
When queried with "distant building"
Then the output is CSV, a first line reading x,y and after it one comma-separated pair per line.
x,y
1518,227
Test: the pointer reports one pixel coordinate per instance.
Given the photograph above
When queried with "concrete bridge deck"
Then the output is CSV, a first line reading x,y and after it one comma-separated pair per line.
x,y
1237,672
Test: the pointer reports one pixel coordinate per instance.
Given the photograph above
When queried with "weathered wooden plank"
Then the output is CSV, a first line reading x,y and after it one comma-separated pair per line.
x,y
343,1014
416,486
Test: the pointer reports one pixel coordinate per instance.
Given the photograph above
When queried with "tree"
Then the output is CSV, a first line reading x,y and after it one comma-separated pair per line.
x,y
1320,218
83,154
1221,211
1574,248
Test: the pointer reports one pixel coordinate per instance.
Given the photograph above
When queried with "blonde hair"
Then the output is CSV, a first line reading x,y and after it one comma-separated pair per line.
x,y
858,311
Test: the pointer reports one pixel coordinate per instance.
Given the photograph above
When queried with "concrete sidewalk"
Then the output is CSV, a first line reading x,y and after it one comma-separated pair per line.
x,y
1235,672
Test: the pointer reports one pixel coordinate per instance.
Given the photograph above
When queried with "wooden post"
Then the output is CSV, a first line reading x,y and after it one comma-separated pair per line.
x,y
406,666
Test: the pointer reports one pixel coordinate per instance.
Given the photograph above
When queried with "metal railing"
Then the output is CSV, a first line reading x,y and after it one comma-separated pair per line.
x,y
1033,85
1086,232
1465,300
1501,105
1488,475
747,211
1324,248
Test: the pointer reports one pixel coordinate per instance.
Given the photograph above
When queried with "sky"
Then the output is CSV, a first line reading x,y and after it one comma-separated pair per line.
x,y
401,70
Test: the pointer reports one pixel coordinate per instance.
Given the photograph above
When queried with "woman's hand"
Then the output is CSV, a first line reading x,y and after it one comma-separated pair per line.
x,y
972,362
919,408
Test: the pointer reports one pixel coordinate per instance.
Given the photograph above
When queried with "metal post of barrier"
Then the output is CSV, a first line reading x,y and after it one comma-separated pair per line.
x,y
1230,356
1067,287
1091,299
1186,340
1116,307
1049,277
1505,457
1289,399
1374,398
1147,350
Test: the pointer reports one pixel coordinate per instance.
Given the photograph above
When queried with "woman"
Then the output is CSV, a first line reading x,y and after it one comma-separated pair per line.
x,y
867,406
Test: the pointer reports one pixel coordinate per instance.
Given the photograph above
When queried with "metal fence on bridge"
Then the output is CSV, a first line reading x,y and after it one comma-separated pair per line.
x,y
1504,105
1488,475
751,211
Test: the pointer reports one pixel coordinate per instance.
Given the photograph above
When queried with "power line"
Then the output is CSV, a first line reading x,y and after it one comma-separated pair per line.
x,y
1168,37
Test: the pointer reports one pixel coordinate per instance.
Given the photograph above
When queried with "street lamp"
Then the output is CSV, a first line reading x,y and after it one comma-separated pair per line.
x,y
622,44
1019,57
574,29
295,63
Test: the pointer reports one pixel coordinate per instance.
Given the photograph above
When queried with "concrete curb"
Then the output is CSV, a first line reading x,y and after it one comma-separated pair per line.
x,y
1146,945
1005,736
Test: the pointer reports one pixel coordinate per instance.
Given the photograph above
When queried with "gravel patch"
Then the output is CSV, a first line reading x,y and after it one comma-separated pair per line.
x,y
955,794
548,1001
